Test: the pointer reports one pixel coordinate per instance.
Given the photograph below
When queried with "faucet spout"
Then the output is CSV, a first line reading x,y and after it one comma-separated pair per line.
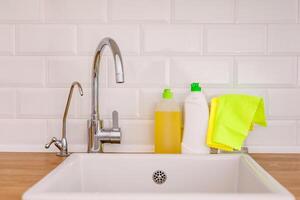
x,y
119,71
98,135
75,83
62,144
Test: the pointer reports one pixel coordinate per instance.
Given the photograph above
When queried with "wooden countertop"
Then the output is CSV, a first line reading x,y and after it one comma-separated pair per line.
x,y
285,168
19,171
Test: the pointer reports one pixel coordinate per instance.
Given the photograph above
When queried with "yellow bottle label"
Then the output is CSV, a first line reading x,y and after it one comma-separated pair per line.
x,y
168,132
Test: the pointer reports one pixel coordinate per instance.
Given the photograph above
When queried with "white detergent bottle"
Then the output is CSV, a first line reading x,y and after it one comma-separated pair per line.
x,y
196,115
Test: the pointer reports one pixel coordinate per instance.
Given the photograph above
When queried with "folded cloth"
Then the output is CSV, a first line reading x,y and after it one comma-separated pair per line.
x,y
231,118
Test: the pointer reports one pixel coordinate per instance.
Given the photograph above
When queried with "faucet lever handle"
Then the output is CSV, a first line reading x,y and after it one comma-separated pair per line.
x,y
49,144
115,120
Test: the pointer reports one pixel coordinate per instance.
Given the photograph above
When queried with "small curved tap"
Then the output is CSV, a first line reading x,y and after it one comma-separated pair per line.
x,y
98,135
62,144
75,83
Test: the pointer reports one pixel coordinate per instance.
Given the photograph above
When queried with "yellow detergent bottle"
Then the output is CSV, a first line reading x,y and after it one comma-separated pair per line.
x,y
168,125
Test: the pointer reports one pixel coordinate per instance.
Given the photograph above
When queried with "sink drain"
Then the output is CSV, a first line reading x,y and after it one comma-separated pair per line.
x,y
159,177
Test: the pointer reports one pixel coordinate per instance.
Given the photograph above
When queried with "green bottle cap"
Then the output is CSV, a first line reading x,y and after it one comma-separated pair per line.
x,y
195,87
167,94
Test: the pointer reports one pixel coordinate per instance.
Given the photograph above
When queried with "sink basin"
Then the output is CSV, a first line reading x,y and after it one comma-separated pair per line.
x,y
149,176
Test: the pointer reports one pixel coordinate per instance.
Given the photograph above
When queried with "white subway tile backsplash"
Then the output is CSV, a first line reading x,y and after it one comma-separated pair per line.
x,y
20,11
6,39
281,71
62,71
125,101
127,36
44,103
140,72
148,100
284,39
75,11
131,148
204,11
229,46
284,103
235,39
45,39
22,71
277,133
206,70
181,93
84,104
137,132
7,103
23,132
298,133
179,39
267,11
76,132
298,71
140,10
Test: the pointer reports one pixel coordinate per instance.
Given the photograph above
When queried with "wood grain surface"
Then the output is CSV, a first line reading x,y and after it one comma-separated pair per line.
x,y
19,171
285,168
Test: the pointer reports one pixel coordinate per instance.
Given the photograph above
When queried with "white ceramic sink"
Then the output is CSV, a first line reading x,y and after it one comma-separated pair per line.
x,y
130,176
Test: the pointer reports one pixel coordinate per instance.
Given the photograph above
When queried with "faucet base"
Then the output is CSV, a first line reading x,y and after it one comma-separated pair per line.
x,y
63,154
97,135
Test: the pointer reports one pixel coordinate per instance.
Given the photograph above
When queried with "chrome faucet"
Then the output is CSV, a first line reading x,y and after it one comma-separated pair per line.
x,y
62,144
97,135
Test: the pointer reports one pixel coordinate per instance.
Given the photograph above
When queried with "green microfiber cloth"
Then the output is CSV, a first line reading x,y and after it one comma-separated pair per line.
x,y
235,115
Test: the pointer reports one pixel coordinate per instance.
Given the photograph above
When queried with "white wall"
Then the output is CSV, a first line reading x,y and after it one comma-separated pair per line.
x,y
230,46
